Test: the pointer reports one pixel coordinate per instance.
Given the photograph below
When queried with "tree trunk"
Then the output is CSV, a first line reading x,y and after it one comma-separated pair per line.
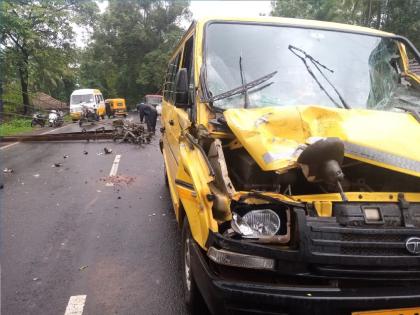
x,y
24,77
379,16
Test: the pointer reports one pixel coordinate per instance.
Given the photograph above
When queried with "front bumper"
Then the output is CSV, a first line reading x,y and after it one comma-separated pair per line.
x,y
75,115
225,296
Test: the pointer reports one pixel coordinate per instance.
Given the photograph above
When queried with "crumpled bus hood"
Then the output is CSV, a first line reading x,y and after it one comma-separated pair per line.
x,y
275,136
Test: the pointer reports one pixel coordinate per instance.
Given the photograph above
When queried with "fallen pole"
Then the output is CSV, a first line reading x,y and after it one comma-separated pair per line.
x,y
82,135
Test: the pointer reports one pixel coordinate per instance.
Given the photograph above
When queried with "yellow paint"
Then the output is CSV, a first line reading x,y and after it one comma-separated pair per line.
x,y
399,311
279,131
117,105
323,208
358,197
272,135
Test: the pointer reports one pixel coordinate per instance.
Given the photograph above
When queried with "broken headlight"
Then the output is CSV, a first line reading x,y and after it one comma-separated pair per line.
x,y
263,223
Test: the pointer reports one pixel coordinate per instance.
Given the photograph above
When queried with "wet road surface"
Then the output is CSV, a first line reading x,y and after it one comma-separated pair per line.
x,y
67,233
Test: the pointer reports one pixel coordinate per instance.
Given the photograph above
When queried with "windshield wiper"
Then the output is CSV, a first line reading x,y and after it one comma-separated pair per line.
x,y
317,64
246,102
244,88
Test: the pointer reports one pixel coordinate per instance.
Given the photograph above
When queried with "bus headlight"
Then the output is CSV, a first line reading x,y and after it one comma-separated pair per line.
x,y
261,223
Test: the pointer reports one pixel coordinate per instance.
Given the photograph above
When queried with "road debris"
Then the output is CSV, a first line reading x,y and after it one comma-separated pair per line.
x,y
107,150
36,175
56,165
35,279
66,156
83,268
127,131
8,170
119,197
85,152
118,179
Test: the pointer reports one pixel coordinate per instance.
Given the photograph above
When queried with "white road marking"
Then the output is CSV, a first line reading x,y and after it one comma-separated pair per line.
x,y
114,168
75,305
44,133
9,145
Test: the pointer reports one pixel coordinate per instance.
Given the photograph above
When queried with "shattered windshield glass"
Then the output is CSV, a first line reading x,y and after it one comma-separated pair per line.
x,y
366,71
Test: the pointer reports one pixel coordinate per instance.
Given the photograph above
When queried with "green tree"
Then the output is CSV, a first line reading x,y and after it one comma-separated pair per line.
x,y
130,47
397,16
37,42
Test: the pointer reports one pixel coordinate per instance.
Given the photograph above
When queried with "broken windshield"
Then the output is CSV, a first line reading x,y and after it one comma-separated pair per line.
x,y
366,71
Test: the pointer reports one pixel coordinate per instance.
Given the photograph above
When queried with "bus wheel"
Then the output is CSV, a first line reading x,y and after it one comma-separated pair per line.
x,y
192,296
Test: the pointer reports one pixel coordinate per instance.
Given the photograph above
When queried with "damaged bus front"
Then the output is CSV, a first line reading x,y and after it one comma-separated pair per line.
x,y
292,155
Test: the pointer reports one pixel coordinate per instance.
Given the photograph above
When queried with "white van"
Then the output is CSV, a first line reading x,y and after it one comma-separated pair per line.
x,y
86,97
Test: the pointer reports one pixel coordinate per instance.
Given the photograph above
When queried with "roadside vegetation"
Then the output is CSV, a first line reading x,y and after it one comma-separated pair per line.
x,y
15,126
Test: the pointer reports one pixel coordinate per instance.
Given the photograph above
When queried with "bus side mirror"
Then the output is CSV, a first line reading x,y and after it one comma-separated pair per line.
x,y
181,88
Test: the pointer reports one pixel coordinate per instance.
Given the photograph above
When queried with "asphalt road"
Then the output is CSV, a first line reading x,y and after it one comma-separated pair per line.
x,y
66,233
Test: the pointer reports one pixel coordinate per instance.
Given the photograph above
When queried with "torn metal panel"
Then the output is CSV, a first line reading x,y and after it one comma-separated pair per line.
x,y
275,136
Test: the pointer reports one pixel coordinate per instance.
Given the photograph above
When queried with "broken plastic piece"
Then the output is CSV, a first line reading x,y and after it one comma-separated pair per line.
x,y
85,152
56,165
8,170
107,151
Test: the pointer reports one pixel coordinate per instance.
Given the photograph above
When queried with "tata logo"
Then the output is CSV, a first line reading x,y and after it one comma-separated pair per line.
x,y
413,245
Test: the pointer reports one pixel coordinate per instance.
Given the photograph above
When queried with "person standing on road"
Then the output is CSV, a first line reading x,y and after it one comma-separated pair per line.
x,y
140,109
150,114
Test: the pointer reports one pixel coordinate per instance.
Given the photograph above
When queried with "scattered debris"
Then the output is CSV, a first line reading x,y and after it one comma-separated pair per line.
x,y
119,197
35,279
98,191
66,156
56,165
83,268
100,153
118,180
107,150
85,152
8,170
36,175
127,131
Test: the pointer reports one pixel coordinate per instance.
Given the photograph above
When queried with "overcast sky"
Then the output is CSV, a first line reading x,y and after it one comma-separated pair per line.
x,y
229,8
199,9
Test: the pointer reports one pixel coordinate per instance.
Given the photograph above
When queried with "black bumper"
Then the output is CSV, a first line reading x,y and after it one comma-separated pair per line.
x,y
244,297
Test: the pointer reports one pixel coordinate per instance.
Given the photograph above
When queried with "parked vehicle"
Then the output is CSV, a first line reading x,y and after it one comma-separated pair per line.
x,y
38,119
291,152
115,107
88,115
154,100
55,118
91,98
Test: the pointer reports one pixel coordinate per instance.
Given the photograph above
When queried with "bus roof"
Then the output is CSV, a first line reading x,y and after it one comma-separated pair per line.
x,y
298,23
86,91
